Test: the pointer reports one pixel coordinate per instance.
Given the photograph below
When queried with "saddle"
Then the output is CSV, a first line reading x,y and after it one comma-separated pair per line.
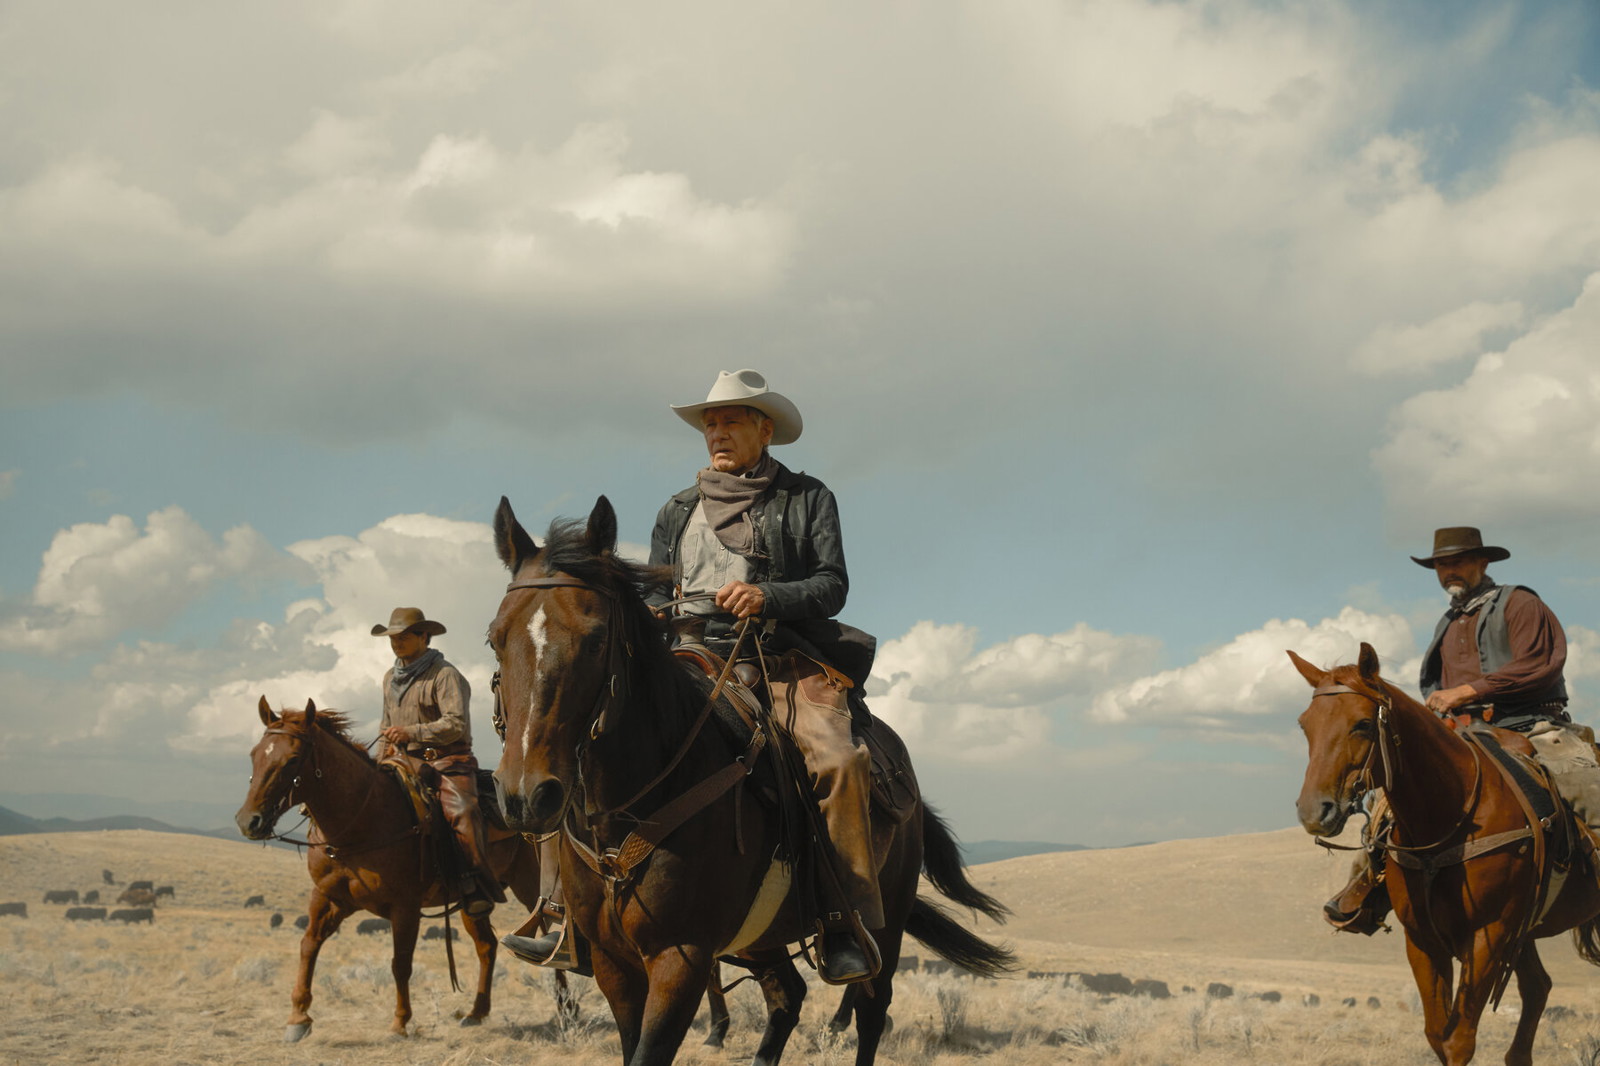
x,y
894,784
420,782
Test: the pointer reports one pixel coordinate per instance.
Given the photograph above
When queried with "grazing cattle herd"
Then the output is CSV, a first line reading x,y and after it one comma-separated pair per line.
x,y
140,897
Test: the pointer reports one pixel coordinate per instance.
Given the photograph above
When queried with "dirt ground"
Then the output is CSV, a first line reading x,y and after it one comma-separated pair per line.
x,y
208,982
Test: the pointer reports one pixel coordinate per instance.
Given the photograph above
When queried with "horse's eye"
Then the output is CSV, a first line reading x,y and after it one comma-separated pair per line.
x,y
1362,728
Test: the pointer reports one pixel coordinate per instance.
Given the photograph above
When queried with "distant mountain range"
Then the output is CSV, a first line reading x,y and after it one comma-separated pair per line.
x,y
981,851
12,823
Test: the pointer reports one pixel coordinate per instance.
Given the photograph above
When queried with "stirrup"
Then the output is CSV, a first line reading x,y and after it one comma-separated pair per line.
x,y
853,933
558,949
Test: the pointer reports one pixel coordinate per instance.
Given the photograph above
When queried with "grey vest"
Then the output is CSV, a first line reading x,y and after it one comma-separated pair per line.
x,y
1494,647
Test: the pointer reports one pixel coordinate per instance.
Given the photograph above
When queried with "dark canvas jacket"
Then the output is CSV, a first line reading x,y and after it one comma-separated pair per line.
x,y
798,564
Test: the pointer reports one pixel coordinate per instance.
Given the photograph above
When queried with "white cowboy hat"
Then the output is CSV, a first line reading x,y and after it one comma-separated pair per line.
x,y
747,388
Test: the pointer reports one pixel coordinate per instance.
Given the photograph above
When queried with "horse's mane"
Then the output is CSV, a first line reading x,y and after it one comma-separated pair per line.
x,y
567,550
334,723
1349,674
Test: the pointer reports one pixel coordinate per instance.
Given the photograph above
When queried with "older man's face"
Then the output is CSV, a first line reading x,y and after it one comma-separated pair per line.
x,y
1461,573
735,437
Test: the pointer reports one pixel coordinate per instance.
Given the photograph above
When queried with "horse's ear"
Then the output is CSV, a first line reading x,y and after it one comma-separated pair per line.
x,y
311,711
511,541
1367,664
602,531
267,717
1314,677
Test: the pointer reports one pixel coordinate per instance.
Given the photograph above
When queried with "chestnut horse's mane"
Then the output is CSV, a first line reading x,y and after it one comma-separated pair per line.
x,y
336,724
1349,674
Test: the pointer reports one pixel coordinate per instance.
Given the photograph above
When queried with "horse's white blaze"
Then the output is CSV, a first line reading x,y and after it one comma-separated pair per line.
x,y
536,630
539,634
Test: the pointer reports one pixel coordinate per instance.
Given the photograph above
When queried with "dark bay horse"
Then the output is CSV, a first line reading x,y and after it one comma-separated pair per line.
x,y
1460,863
604,732
365,850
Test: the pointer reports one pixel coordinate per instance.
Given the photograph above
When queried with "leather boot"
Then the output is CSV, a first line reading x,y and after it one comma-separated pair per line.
x,y
1361,905
458,798
842,959
559,949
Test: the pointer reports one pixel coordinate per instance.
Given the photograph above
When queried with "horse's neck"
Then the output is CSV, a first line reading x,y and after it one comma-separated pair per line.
x,y
647,741
1430,772
346,792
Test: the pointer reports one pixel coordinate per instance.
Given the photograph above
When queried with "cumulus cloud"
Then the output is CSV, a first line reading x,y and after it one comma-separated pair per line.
x,y
1250,678
1516,443
952,700
1402,349
98,580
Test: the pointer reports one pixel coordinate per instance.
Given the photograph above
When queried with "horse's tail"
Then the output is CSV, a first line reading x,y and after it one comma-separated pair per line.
x,y
952,942
1586,938
941,862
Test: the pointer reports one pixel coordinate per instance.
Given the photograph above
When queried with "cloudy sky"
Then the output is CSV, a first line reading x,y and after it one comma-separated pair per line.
x,y
1140,341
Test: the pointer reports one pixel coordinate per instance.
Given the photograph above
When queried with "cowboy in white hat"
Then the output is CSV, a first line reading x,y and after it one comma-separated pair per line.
x,y
763,543
1497,655
425,716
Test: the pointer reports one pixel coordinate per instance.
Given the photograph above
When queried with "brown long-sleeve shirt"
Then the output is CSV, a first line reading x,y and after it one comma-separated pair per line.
x,y
1537,639
433,710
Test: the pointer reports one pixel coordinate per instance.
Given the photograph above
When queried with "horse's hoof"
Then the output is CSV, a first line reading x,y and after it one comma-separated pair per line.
x,y
293,1033
469,1020
397,1034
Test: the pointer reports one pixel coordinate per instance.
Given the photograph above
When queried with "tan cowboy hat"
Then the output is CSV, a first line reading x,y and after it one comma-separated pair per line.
x,y
402,619
747,388
1459,540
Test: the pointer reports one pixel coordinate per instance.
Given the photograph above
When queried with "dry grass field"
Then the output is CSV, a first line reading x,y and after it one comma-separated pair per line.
x,y
208,983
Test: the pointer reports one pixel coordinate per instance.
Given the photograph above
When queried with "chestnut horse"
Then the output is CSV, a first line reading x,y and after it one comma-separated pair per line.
x,y
365,850
605,731
1463,879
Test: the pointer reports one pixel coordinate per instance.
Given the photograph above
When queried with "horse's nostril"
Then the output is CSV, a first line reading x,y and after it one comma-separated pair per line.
x,y
545,803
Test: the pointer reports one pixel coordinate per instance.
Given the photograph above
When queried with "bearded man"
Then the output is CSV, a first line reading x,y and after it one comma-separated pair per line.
x,y
1497,654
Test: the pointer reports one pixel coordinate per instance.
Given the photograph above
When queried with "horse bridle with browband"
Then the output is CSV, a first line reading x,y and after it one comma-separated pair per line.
x,y
1386,745
613,690
306,744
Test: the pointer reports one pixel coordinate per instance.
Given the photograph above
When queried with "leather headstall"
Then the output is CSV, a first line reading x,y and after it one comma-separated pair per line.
x,y
618,651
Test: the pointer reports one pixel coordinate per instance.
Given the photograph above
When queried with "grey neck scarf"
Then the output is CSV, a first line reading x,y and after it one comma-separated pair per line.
x,y
405,673
726,499
1472,599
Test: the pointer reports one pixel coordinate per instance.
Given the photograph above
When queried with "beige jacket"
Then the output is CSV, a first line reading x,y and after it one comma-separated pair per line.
x,y
433,710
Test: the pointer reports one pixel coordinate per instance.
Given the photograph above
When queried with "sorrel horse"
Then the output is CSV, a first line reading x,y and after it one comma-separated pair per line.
x,y
605,732
366,851
1461,860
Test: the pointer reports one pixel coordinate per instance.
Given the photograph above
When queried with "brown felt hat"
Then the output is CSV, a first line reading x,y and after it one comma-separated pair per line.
x,y
1460,540
402,619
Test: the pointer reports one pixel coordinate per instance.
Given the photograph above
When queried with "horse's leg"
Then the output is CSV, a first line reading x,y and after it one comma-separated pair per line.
x,y
1432,971
322,921
1533,988
847,1005
784,990
624,985
717,1004
403,923
482,934
872,1012
677,980
1472,993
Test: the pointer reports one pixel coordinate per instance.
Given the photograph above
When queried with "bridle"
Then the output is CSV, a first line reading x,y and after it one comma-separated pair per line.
x,y
306,744
619,651
1386,747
